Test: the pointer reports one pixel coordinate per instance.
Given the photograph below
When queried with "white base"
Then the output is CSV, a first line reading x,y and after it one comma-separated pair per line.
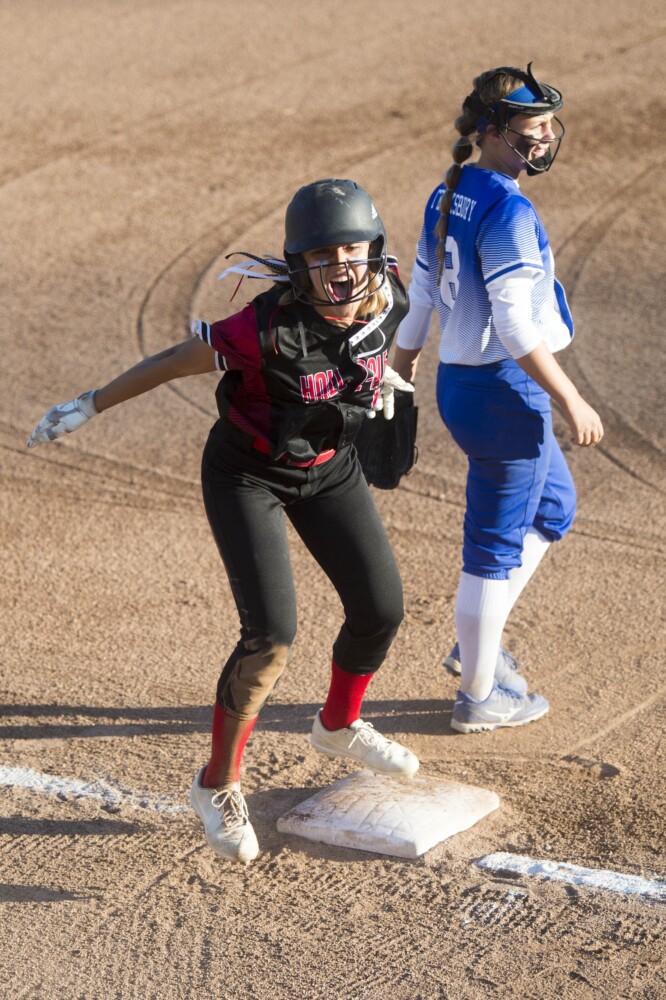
x,y
404,817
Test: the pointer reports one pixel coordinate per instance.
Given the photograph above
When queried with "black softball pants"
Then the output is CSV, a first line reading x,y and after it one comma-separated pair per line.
x,y
247,495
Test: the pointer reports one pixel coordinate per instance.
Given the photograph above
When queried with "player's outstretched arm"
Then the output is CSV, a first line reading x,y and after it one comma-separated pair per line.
x,y
585,423
191,357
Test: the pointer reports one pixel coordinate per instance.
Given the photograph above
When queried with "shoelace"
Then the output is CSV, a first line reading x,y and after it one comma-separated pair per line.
x,y
369,736
511,695
232,805
510,661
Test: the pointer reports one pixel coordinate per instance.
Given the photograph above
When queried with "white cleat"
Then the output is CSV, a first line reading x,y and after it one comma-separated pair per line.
x,y
361,742
224,814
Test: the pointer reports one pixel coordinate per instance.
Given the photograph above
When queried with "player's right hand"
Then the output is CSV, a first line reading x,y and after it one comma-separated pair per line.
x,y
392,382
63,419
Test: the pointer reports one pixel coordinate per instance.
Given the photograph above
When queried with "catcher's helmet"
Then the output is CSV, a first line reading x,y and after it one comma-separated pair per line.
x,y
331,213
533,98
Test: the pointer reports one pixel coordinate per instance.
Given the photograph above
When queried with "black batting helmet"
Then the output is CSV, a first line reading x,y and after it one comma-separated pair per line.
x,y
331,213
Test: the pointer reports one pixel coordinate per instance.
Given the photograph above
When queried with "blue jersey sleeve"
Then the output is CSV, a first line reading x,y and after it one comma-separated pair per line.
x,y
508,240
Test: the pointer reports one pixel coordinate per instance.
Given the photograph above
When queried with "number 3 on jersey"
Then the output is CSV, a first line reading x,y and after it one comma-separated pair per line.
x,y
448,286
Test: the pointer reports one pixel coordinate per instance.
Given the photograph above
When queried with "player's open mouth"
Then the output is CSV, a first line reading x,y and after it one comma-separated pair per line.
x,y
340,291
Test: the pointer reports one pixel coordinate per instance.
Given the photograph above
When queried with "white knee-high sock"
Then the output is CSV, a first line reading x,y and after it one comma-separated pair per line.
x,y
482,607
535,547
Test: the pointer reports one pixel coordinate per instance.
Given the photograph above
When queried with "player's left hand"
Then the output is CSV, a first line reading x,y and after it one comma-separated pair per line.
x,y
386,401
63,419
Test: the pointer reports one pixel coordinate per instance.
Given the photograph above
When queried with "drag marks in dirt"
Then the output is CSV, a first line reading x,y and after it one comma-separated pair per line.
x,y
125,133
330,910
94,479
58,721
66,861
173,912
619,534
591,768
26,846
92,858
511,910
618,722
436,896
592,930
579,248
575,252
14,893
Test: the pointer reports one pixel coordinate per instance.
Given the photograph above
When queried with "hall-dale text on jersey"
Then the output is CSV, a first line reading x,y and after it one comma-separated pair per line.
x,y
330,383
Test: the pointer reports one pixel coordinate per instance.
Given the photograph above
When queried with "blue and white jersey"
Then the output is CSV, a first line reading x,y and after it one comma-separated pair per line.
x,y
496,295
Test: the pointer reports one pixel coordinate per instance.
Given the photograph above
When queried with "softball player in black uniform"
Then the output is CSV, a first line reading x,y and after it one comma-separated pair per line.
x,y
304,363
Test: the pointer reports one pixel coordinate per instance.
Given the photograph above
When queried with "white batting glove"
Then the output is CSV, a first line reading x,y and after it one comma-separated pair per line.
x,y
63,419
386,401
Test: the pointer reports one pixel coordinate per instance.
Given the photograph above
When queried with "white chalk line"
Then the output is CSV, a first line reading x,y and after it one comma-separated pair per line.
x,y
113,795
561,871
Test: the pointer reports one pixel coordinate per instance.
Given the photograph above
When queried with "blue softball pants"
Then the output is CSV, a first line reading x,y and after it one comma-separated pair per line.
x,y
517,475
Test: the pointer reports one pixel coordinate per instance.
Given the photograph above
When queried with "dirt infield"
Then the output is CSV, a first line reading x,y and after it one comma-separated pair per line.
x,y
141,142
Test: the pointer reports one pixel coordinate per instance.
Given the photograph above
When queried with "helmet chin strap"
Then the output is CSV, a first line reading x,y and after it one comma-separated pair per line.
x,y
539,165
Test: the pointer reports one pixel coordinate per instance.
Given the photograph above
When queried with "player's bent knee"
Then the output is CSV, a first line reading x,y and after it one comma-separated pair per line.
x,y
250,675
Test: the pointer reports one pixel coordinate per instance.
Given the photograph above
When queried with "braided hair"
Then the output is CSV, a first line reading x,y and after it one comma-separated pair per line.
x,y
489,88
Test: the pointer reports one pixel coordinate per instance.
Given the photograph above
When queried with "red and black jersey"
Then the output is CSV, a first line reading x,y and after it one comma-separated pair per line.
x,y
295,380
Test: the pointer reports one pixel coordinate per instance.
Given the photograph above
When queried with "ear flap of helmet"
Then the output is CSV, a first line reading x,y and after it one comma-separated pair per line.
x,y
377,254
298,272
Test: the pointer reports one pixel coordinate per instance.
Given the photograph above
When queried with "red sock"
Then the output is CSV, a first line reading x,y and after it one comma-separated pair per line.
x,y
228,743
343,704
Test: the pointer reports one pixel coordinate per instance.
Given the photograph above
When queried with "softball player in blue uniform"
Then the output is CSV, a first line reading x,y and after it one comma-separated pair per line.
x,y
304,364
485,264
